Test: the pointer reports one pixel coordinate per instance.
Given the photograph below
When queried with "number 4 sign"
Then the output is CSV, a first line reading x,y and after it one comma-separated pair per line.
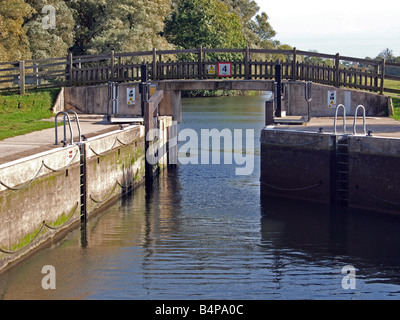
x,y
224,69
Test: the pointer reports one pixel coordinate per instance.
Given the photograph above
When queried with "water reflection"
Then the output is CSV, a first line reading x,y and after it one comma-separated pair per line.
x,y
335,237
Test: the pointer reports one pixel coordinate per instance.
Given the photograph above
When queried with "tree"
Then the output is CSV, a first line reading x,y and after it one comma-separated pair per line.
x,y
14,44
262,28
49,42
119,25
207,23
386,54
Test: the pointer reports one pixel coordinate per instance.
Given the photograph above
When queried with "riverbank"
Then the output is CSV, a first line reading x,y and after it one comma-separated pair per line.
x,y
396,108
21,114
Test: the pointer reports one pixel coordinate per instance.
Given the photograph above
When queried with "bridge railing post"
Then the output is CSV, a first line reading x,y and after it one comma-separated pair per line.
x,y
70,72
383,65
22,77
247,69
294,65
154,65
337,69
112,65
200,64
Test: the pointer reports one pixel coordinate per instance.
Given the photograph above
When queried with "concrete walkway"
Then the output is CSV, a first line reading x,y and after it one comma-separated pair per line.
x,y
380,126
39,141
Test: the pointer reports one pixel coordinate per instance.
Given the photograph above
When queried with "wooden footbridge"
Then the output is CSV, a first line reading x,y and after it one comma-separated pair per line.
x,y
197,64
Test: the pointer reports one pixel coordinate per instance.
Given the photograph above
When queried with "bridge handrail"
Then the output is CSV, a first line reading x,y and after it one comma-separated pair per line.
x,y
255,64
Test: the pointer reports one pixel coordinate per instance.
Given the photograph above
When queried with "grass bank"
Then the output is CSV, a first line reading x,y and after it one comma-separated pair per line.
x,y
396,108
22,114
392,84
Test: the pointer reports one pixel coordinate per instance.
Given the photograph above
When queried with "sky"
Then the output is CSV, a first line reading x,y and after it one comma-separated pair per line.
x,y
352,28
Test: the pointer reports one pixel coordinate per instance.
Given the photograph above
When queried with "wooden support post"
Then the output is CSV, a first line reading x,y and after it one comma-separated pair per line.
x,y
247,63
154,66
22,77
337,69
200,66
383,64
70,72
294,65
35,75
112,65
148,144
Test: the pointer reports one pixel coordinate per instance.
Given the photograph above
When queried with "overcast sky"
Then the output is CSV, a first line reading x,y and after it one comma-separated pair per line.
x,y
350,27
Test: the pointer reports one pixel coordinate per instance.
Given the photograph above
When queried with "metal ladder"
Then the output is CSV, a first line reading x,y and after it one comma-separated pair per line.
x,y
355,118
82,180
66,117
341,161
82,162
342,155
342,169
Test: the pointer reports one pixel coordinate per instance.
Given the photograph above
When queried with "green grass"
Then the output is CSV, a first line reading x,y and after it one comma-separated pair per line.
x,y
396,107
392,84
22,114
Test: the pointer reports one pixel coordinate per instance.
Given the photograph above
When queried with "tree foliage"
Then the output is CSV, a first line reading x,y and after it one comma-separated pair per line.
x,y
207,23
99,26
14,44
45,43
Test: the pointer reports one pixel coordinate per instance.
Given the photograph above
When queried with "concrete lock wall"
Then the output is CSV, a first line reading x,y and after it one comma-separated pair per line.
x,y
295,104
36,195
302,165
373,173
40,196
295,165
114,163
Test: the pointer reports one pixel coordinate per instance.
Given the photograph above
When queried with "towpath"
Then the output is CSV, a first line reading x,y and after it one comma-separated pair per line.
x,y
39,141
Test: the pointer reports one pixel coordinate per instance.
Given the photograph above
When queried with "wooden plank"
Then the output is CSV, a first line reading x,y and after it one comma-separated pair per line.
x,y
316,54
22,77
389,77
391,90
157,97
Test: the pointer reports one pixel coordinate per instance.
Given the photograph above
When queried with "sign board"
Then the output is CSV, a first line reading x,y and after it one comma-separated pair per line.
x,y
130,95
331,99
211,69
224,69
153,89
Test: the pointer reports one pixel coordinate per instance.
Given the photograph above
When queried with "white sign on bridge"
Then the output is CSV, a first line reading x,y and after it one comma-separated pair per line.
x,y
130,95
331,99
224,69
